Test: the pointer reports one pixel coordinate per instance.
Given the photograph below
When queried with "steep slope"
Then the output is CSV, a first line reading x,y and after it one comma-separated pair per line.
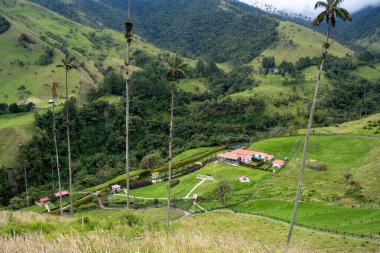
x,y
297,41
362,33
211,28
23,63
20,63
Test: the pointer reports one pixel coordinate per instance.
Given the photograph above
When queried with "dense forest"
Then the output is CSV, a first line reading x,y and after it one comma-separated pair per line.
x,y
192,28
98,142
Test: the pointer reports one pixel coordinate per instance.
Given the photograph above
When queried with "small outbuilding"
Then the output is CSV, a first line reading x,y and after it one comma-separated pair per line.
x,y
43,201
243,179
278,164
116,188
63,194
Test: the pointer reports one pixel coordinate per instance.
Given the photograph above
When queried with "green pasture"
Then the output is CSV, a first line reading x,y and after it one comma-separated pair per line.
x,y
338,218
220,171
340,153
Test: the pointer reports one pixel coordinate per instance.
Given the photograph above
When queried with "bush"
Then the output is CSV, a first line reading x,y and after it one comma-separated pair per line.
x,y
131,219
24,40
14,108
145,174
46,58
4,25
139,183
16,203
174,182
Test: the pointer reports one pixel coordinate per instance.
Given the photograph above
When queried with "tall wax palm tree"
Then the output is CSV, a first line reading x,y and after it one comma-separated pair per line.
x,y
128,37
68,63
176,67
26,166
54,95
331,12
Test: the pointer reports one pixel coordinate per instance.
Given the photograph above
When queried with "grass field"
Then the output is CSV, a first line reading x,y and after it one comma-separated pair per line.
x,y
339,153
143,231
369,73
15,130
195,86
338,218
220,172
297,41
361,126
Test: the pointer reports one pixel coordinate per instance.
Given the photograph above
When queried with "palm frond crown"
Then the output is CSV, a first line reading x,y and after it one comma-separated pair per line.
x,y
331,12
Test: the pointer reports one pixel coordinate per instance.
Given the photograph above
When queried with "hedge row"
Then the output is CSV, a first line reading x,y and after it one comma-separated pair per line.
x,y
189,160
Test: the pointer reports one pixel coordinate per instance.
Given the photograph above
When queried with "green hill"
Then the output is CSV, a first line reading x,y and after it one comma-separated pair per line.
x,y
95,50
297,41
214,29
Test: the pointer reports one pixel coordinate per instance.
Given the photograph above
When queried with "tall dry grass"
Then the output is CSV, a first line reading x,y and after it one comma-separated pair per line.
x,y
179,241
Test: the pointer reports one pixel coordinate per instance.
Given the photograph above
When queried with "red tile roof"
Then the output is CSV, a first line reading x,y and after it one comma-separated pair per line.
x,y
44,199
233,156
279,162
251,153
63,193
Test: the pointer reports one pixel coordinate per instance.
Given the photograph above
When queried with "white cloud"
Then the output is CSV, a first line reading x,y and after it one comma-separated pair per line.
x,y
307,6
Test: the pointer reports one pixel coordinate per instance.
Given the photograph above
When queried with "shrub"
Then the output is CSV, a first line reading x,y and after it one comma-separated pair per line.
x,y
4,25
139,183
174,182
24,40
130,219
46,58
14,108
145,174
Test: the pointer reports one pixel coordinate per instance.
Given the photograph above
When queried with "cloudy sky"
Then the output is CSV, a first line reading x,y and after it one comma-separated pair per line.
x,y
307,6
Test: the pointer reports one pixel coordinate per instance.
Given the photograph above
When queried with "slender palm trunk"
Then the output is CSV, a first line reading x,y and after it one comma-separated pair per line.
x,y
170,156
26,186
127,123
57,161
306,145
68,147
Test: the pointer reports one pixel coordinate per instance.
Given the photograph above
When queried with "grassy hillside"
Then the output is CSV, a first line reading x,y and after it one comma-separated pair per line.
x,y
365,126
297,41
327,216
49,30
340,153
18,64
143,230
220,172
283,95
14,131
195,86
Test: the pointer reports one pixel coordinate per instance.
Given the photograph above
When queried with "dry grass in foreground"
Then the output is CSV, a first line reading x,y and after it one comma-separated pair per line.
x,y
180,241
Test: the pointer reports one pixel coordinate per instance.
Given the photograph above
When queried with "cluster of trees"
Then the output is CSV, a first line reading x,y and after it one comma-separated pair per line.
x,y
25,40
46,57
22,94
350,96
4,25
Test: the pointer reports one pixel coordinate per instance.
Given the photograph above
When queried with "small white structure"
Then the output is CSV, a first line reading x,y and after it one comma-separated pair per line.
x,y
205,177
243,179
278,164
116,188
47,207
